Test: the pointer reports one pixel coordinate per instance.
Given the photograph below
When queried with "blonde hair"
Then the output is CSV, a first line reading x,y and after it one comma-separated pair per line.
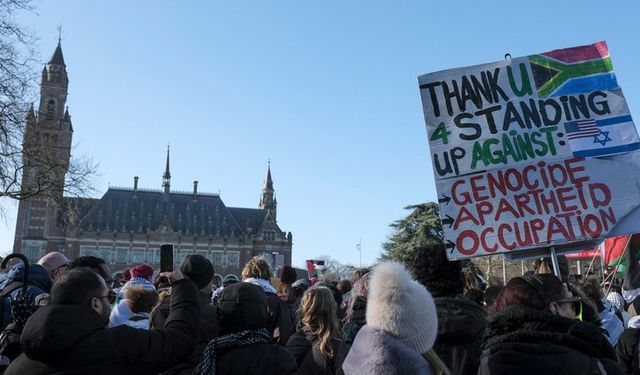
x,y
256,268
318,317
436,363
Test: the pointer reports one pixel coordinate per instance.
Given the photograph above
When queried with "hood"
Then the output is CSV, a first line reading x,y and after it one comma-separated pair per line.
x,y
38,276
519,324
53,330
459,319
377,352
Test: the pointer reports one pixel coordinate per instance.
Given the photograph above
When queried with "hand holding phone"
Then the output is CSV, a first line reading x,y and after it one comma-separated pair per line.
x,y
166,258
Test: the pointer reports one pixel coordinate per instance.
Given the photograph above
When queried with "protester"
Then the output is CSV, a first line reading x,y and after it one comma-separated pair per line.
x,y
617,301
315,344
141,301
610,318
200,270
461,321
245,345
535,331
41,276
98,265
70,335
628,351
401,327
490,296
287,276
140,277
356,313
257,272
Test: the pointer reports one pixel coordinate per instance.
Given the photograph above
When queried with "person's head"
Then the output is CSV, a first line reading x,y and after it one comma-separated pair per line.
x,y
543,292
98,265
433,269
242,306
54,263
256,268
490,297
357,274
344,286
318,316
544,265
141,300
200,270
84,287
590,286
287,276
126,276
402,307
143,271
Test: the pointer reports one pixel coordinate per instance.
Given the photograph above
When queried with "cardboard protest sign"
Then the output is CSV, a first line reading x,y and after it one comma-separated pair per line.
x,y
532,152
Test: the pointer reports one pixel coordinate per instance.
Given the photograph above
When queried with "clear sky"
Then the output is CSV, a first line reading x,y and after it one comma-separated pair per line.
x,y
327,90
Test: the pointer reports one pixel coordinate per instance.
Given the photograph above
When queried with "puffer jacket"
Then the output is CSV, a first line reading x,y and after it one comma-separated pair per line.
x,y
461,324
523,341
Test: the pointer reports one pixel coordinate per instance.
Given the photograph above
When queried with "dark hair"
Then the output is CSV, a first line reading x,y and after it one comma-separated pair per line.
x,y
475,295
198,268
76,287
344,286
357,274
590,286
491,295
433,269
89,261
534,291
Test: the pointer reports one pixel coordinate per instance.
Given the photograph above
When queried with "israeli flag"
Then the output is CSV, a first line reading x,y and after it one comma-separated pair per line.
x,y
604,136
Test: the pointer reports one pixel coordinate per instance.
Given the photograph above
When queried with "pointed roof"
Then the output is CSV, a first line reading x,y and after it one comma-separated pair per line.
x,y
268,183
167,174
57,58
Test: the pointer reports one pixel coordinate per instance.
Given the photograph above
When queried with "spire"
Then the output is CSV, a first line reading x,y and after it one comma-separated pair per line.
x,y
166,177
31,114
57,58
267,201
268,183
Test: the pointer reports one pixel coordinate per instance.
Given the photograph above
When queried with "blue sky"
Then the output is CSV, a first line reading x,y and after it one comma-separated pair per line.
x,y
327,90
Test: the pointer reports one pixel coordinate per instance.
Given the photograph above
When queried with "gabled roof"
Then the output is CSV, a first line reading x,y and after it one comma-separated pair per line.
x,y
123,210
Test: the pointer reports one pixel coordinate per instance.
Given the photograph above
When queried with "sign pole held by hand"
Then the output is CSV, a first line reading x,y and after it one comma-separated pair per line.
x,y
554,261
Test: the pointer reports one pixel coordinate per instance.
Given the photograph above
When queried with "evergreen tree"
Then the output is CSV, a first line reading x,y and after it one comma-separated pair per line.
x,y
422,227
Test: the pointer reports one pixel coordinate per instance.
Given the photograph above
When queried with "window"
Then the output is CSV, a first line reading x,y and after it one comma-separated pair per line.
x,y
122,255
232,259
51,109
88,250
137,256
33,253
217,259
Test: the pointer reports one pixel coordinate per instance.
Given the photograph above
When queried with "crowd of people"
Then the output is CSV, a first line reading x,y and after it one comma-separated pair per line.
x,y
78,319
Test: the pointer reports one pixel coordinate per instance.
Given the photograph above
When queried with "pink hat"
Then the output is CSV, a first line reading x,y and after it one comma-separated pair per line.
x,y
142,270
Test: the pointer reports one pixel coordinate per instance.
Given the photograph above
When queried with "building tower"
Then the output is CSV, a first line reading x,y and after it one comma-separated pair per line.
x,y
166,176
268,200
46,154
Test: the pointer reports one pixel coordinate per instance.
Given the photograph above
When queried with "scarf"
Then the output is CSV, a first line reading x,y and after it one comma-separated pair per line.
x,y
264,284
207,365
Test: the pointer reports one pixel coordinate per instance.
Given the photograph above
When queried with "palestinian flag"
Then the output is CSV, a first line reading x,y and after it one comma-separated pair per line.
x,y
312,267
613,249
573,70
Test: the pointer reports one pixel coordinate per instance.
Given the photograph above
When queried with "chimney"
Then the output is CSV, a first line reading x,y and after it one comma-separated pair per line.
x,y
135,184
195,190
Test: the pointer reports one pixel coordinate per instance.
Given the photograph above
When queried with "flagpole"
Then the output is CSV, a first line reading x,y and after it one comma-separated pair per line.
x,y
615,270
360,252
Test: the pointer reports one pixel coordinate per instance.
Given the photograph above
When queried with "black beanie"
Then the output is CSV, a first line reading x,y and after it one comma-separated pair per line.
x,y
242,306
197,268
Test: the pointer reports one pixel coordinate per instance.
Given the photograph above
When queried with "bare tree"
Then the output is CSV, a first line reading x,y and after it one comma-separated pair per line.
x,y
50,176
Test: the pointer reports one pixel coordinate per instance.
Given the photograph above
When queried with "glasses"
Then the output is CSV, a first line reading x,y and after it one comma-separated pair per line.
x,y
576,304
111,297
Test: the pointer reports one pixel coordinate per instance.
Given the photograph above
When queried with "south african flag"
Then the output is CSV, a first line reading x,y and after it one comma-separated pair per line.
x,y
573,70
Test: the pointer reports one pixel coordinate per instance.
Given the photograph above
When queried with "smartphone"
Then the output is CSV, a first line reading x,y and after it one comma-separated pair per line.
x,y
166,257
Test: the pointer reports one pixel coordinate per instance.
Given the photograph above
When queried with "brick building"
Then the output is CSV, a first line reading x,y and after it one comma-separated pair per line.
x,y
127,225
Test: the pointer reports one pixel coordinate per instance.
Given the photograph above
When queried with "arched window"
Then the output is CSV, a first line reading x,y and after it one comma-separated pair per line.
x,y
51,109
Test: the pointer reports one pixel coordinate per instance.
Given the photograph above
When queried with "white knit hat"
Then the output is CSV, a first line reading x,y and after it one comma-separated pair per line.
x,y
402,307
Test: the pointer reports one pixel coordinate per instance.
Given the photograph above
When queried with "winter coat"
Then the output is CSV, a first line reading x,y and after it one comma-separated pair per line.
x,y
208,329
256,359
628,352
279,324
358,320
520,340
39,283
376,352
306,350
73,339
461,324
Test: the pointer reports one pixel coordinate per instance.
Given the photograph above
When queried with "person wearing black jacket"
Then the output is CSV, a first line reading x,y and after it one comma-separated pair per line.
x,y
70,336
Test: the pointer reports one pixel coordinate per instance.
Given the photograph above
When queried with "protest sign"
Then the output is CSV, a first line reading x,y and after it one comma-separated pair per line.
x,y
532,152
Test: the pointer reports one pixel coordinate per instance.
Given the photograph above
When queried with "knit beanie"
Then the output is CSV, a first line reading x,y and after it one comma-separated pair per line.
x,y
287,275
242,306
402,307
142,270
198,269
